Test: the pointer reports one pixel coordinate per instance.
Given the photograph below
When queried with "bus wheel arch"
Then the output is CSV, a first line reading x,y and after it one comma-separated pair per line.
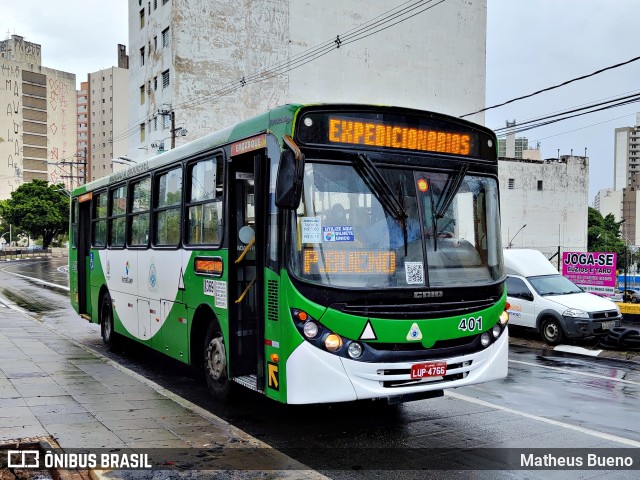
x,y
208,350
105,318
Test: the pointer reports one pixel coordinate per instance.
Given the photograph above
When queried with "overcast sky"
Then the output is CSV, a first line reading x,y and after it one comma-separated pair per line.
x,y
531,44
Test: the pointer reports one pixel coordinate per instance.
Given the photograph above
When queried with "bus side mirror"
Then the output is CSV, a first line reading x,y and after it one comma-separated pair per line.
x,y
289,181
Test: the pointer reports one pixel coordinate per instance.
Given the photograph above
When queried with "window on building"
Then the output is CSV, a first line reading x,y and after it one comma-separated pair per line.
x,y
155,83
166,121
155,123
165,79
142,56
540,185
141,94
142,18
164,2
165,37
149,8
155,43
142,132
512,183
155,4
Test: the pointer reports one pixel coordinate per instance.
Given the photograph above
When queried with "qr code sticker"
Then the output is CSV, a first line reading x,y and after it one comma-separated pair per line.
x,y
414,272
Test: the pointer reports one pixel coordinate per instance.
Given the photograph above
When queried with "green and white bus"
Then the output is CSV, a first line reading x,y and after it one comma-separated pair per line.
x,y
315,253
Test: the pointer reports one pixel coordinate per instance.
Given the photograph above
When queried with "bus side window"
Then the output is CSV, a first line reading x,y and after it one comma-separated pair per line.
x,y
167,211
204,204
74,223
139,214
117,216
99,220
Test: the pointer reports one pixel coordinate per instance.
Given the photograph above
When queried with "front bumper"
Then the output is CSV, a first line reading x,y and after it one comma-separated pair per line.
x,y
317,376
577,327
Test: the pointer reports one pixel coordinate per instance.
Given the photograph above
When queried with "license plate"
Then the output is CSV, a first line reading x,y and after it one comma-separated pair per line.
x,y
430,369
608,325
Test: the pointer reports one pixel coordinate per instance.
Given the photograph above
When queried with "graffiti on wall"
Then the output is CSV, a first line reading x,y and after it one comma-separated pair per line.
x,y
10,79
22,51
58,102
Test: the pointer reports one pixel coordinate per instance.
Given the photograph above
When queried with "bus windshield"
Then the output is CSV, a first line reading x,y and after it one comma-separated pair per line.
x,y
447,233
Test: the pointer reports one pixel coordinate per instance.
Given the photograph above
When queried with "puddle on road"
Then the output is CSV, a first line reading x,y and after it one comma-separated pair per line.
x,y
28,302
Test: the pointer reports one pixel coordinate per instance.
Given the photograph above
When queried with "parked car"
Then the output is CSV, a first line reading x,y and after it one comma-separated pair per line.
x,y
630,295
539,297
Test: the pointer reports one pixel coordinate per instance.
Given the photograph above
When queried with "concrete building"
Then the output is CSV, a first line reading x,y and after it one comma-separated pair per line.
x,y
213,64
626,159
544,203
512,146
108,118
609,201
82,144
38,125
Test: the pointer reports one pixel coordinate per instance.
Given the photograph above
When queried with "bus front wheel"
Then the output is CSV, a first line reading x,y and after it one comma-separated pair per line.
x,y
215,365
109,336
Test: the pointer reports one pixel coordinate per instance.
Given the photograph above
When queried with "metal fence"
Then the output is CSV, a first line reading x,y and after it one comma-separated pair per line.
x,y
15,253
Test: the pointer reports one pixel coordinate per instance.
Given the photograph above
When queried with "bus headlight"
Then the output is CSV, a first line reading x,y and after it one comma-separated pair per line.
x,y
333,342
485,339
504,317
310,329
496,330
354,350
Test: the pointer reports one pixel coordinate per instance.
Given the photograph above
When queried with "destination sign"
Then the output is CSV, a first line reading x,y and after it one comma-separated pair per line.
x,y
348,262
389,135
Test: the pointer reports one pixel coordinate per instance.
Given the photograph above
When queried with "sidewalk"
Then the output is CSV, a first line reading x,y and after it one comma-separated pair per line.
x,y
52,387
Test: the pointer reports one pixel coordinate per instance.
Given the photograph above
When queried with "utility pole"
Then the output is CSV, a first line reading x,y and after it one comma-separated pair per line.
x,y
173,129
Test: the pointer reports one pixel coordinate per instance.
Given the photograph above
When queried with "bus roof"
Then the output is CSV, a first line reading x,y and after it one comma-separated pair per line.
x,y
278,121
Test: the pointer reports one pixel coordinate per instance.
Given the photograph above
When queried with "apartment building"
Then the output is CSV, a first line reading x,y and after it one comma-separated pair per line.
x,y
211,64
38,127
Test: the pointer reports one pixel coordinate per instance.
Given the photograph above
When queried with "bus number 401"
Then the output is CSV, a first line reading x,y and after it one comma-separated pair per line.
x,y
470,324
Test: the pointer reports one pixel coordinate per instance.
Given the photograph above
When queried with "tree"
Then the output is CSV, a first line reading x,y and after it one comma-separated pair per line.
x,y
40,209
604,235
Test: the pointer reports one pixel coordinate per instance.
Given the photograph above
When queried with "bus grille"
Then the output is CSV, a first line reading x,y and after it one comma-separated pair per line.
x,y
416,310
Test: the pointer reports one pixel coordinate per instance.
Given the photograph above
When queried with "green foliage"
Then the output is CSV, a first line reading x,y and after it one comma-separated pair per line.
x,y
40,209
604,236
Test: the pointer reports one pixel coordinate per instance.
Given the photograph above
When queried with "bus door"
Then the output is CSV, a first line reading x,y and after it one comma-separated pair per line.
x,y
84,262
246,265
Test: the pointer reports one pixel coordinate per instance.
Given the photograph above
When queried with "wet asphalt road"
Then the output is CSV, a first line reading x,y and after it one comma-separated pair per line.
x,y
549,400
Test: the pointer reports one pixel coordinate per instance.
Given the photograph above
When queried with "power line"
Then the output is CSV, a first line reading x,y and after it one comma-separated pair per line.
x,y
387,19
543,123
586,126
618,101
567,82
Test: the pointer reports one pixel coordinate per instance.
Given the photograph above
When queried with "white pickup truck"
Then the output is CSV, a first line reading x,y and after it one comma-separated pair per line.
x,y
541,298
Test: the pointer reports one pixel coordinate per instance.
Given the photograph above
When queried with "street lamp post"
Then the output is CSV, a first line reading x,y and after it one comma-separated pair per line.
x,y
9,232
514,236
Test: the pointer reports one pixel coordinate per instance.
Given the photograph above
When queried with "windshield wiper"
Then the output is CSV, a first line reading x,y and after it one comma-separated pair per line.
x,y
450,189
380,188
382,191
434,220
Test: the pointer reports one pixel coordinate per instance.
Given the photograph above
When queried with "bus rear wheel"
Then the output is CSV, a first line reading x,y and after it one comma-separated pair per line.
x,y
215,365
109,336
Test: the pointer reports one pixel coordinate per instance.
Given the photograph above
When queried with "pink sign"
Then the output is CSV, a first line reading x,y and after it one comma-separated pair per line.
x,y
594,272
